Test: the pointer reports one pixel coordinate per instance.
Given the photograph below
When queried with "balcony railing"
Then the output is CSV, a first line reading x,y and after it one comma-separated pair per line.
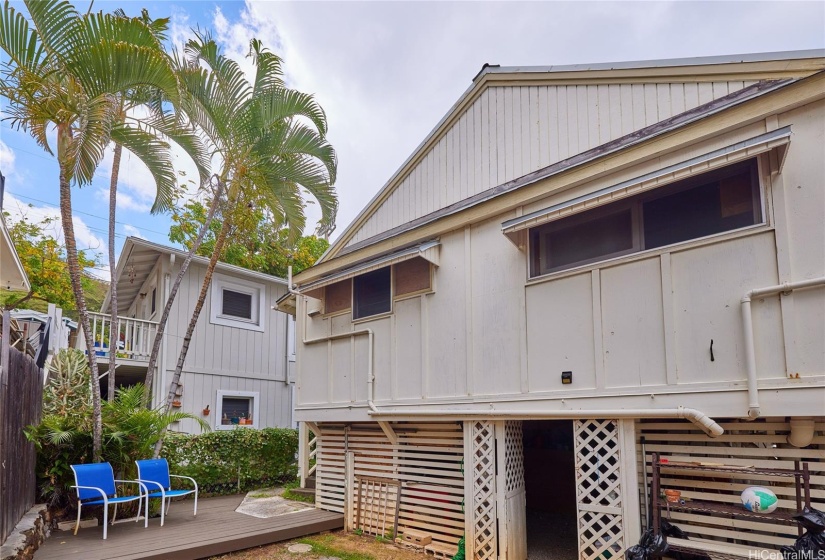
x,y
131,339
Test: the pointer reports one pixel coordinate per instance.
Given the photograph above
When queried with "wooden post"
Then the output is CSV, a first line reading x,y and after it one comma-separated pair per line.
x,y
303,453
349,489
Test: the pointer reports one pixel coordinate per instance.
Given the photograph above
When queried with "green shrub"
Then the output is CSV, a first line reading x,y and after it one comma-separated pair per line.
x,y
231,461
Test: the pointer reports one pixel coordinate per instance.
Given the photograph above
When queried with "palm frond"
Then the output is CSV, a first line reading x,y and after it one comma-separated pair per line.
x,y
154,153
269,73
18,40
55,21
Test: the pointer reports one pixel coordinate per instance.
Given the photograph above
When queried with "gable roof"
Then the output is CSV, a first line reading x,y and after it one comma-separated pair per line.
x,y
143,255
779,67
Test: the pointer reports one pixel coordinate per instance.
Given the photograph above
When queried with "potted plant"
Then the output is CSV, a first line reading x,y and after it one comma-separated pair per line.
x,y
176,404
206,411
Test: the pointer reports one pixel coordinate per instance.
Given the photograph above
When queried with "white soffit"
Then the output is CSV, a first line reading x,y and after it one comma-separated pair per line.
x,y
428,251
12,274
746,149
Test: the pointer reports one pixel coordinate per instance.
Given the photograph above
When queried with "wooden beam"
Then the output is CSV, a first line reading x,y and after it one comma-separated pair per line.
x,y
314,427
389,432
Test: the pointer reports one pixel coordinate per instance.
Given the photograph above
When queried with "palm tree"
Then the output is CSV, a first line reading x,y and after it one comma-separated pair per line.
x,y
163,125
270,142
65,72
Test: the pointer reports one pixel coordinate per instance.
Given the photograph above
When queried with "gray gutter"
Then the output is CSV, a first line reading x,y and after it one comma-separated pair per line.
x,y
661,63
632,139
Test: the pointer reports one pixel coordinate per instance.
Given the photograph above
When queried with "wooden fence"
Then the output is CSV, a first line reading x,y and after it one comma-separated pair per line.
x,y
21,393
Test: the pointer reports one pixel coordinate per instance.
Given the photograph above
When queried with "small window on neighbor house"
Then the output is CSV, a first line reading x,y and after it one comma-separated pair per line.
x,y
236,408
711,203
412,276
154,298
236,304
338,296
372,293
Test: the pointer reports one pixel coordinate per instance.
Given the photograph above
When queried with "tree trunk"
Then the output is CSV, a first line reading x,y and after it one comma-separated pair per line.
x,y
173,292
75,274
207,280
114,327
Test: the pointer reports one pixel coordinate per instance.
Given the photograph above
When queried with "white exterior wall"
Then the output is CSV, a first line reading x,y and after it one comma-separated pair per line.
x,y
628,328
222,357
510,131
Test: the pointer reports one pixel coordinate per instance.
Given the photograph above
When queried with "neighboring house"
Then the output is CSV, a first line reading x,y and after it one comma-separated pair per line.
x,y
238,364
579,263
12,274
62,331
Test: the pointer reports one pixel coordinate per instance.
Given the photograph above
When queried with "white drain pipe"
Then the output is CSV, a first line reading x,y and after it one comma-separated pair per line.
x,y
747,328
700,419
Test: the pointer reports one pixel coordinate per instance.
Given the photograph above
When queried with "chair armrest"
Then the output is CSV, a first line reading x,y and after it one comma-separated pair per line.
x,y
138,482
186,477
102,493
153,482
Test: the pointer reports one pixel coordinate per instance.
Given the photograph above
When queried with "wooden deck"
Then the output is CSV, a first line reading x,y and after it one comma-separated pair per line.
x,y
217,529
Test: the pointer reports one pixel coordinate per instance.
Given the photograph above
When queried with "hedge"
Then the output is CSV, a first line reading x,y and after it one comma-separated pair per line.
x,y
226,462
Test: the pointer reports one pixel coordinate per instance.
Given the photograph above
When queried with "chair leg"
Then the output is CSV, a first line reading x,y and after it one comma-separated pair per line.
x,y
105,518
162,509
140,505
114,515
77,525
196,502
146,517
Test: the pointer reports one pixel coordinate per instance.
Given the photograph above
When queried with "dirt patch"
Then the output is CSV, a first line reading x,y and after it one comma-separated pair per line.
x,y
338,545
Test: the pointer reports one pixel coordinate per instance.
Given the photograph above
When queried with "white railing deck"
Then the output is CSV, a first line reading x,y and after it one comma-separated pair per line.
x,y
133,338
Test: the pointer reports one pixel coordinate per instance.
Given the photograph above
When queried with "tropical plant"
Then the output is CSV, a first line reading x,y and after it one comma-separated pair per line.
x,y
255,241
63,437
65,71
270,142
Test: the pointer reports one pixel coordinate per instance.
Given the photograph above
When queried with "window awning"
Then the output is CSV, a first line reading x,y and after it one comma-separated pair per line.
x,y
777,139
428,251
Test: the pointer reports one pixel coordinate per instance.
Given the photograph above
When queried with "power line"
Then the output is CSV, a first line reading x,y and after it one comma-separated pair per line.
x,y
81,212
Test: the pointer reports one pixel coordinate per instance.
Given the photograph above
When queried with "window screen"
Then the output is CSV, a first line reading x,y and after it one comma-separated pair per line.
x,y
372,294
236,410
715,202
236,304
338,296
412,276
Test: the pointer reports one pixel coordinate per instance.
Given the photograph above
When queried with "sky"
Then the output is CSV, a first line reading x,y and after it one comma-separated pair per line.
x,y
386,72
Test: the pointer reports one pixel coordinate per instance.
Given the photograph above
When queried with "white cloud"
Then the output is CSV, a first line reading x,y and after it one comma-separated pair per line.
x,y
386,72
86,238
7,158
131,230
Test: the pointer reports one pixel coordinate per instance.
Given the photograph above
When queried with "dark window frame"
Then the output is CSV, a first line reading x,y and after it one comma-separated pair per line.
x,y
637,204
356,311
224,314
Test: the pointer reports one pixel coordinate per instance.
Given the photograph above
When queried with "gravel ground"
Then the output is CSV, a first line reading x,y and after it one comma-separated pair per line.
x,y
551,536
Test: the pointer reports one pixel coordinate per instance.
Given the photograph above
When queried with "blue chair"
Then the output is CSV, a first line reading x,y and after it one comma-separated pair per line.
x,y
95,485
154,473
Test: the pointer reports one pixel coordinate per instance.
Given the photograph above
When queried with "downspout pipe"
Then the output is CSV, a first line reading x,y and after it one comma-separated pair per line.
x,y
351,334
700,419
747,329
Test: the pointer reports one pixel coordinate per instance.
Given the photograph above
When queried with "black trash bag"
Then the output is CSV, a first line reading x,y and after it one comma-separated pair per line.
x,y
671,530
650,546
809,545
811,519
635,552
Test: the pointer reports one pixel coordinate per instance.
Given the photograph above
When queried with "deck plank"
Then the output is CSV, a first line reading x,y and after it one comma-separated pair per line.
x,y
217,529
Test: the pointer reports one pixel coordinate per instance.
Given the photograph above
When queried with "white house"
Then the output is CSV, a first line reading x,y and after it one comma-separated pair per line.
x,y
581,266
238,364
12,274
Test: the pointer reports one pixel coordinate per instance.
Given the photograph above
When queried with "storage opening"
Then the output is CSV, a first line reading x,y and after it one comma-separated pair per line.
x,y
550,480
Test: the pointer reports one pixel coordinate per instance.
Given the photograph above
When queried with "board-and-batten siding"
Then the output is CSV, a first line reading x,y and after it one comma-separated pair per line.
x,y
761,443
510,131
228,358
428,460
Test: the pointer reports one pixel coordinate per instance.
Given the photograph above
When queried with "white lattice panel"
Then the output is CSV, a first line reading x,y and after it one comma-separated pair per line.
x,y
483,473
513,456
598,489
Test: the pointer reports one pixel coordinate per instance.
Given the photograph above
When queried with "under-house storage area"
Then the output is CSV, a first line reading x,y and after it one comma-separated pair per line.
x,y
550,479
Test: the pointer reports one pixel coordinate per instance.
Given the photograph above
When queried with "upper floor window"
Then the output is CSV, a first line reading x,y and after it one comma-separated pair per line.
x,y
237,303
372,293
708,204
